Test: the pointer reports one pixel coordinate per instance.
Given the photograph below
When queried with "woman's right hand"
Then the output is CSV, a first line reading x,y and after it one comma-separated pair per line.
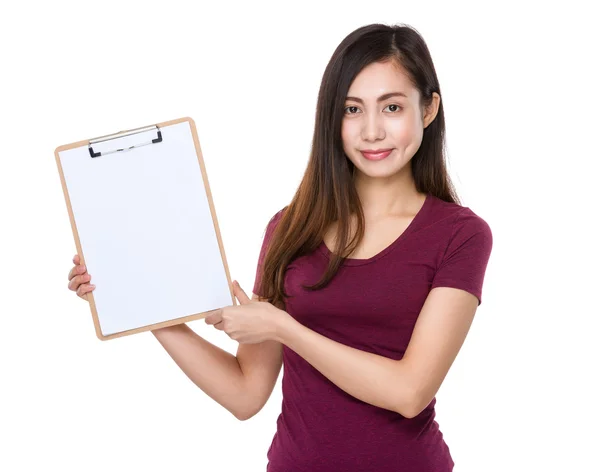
x,y
79,279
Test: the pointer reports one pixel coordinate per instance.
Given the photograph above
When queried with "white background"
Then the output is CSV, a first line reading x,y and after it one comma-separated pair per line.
x,y
519,84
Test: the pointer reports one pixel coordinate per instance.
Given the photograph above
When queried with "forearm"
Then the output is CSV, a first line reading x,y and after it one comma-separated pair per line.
x,y
374,379
215,371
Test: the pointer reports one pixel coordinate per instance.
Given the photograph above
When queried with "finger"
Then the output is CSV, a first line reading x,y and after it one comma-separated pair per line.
x,y
214,317
78,269
76,259
240,294
79,280
219,325
84,289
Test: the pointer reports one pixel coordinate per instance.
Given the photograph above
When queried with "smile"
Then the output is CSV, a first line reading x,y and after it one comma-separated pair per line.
x,y
376,156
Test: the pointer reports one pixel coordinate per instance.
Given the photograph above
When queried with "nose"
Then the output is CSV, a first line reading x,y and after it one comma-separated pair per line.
x,y
373,129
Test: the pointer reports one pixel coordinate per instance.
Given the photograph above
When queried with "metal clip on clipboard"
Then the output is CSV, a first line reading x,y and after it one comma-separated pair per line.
x,y
123,134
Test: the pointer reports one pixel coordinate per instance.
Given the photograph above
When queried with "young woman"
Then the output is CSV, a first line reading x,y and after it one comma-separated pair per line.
x,y
367,282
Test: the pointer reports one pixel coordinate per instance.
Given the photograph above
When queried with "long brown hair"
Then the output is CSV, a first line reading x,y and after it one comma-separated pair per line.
x,y
327,192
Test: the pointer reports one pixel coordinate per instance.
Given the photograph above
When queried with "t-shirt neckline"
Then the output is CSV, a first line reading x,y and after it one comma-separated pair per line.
x,y
409,229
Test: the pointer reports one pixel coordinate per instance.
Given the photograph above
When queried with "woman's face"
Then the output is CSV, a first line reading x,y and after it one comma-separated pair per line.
x,y
375,119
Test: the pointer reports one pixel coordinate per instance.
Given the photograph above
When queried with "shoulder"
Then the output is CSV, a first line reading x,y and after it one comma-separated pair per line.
x,y
275,219
459,218
469,222
272,224
460,227
277,216
469,234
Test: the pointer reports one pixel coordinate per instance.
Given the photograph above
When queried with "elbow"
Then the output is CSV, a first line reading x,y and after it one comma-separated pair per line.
x,y
244,415
411,411
412,405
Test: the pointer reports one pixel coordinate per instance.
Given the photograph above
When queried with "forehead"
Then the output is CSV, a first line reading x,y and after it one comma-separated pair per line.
x,y
379,78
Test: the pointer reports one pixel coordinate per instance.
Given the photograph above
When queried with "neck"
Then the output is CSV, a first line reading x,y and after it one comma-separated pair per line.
x,y
383,197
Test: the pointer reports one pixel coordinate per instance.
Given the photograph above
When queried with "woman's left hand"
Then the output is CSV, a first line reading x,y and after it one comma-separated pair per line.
x,y
250,322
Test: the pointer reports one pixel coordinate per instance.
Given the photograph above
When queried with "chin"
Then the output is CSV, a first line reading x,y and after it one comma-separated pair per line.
x,y
380,173
382,169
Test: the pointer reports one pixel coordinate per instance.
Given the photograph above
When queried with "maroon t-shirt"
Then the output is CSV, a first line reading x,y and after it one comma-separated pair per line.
x,y
371,304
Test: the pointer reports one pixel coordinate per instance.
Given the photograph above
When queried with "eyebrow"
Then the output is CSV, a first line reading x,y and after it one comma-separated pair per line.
x,y
380,99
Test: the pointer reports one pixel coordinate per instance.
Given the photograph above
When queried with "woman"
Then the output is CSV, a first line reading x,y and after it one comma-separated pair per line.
x,y
367,282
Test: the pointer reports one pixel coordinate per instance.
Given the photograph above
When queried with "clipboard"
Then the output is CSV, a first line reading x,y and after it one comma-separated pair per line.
x,y
146,228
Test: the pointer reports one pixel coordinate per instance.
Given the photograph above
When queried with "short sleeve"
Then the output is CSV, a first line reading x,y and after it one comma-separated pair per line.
x,y
465,261
263,251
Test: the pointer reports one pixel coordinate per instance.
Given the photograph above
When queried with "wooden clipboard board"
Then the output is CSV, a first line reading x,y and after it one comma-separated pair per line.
x,y
110,184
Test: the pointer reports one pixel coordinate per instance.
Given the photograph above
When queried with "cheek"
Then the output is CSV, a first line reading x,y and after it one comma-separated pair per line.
x,y
347,134
410,142
406,131
349,139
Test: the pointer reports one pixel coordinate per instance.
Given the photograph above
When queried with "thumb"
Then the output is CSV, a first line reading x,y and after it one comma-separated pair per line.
x,y
240,294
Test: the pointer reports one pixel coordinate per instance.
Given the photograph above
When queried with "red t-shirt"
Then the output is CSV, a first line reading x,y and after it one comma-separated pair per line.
x,y
371,304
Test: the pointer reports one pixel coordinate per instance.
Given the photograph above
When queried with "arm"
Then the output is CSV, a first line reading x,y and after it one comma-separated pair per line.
x,y
242,384
408,385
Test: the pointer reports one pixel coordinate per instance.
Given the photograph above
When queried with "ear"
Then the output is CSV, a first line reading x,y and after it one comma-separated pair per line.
x,y
432,110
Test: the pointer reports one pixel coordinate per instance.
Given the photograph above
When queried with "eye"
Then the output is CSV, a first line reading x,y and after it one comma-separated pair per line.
x,y
397,108
394,105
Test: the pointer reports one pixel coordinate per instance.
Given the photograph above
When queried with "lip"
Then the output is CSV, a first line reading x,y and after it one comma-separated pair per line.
x,y
376,151
377,154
